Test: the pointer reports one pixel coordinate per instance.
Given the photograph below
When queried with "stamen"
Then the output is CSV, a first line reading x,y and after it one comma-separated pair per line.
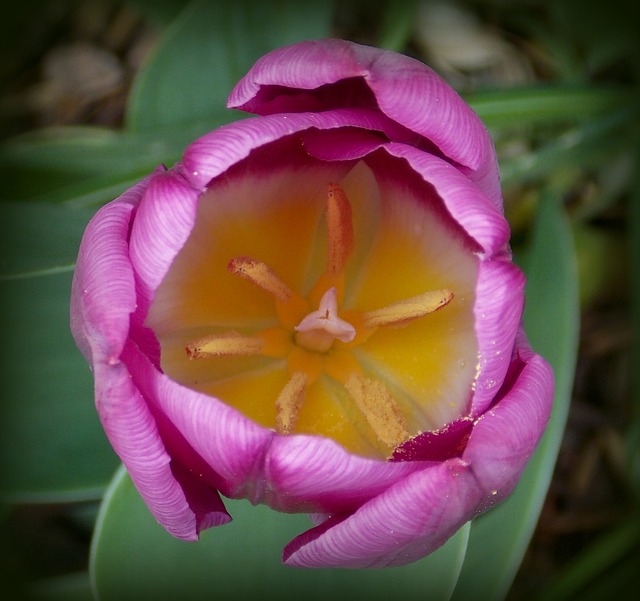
x,y
261,275
380,408
289,403
340,229
410,308
227,344
320,328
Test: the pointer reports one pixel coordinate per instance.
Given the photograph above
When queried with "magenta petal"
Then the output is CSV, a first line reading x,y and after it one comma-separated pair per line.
x,y
506,435
404,523
103,299
466,203
440,445
103,291
231,444
498,310
162,225
297,68
342,144
133,433
404,89
315,474
214,153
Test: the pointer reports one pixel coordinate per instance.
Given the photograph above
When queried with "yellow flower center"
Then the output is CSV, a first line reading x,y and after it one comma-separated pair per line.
x,y
314,307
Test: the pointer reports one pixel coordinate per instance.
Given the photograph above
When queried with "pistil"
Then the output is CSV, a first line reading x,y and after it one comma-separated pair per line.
x,y
320,328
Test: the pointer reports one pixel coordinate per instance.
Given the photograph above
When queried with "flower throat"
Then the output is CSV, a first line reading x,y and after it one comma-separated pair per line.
x,y
317,341
321,301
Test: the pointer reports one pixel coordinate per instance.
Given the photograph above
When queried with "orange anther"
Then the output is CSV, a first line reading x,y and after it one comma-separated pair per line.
x,y
340,229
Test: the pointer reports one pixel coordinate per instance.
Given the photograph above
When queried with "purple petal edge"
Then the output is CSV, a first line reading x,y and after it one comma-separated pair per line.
x,y
417,515
399,526
103,300
329,74
506,435
446,443
103,288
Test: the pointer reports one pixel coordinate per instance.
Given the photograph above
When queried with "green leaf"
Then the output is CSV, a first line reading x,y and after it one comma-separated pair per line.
x,y
598,567
499,539
69,587
51,443
36,165
537,105
59,164
161,12
590,142
134,558
39,238
208,49
397,24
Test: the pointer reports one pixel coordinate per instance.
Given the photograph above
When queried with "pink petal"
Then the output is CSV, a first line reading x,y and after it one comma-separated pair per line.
x,y
505,437
467,203
162,225
329,74
440,445
415,516
342,144
103,290
316,474
133,433
103,299
404,523
216,152
498,310
463,200
300,67
231,444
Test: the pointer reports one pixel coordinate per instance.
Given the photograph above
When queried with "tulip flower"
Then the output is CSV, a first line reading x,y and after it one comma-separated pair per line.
x,y
316,309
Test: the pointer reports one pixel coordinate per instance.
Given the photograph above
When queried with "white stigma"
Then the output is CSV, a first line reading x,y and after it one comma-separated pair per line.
x,y
326,319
